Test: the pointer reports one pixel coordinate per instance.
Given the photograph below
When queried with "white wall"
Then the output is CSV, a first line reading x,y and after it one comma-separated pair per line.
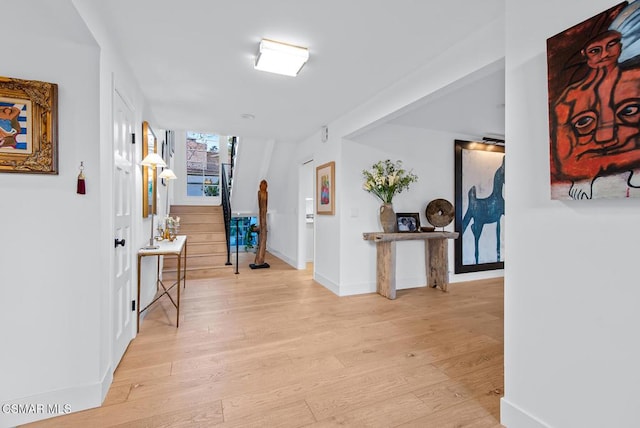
x,y
115,75
59,344
430,154
571,280
327,253
252,166
282,211
259,159
52,311
341,234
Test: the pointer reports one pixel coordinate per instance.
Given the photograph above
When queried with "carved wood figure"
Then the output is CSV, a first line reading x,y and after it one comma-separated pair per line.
x,y
262,227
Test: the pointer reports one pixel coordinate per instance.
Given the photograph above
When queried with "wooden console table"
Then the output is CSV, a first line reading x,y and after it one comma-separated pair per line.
x,y
176,248
436,258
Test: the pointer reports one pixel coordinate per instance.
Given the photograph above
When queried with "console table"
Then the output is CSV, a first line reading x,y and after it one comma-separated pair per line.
x,y
436,258
177,248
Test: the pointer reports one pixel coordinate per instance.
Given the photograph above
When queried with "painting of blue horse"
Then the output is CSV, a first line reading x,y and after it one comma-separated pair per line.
x,y
480,179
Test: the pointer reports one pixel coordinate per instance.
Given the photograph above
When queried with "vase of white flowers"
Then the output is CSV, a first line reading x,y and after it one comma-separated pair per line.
x,y
386,179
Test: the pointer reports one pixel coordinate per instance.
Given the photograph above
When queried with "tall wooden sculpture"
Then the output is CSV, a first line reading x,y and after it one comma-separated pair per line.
x,y
262,228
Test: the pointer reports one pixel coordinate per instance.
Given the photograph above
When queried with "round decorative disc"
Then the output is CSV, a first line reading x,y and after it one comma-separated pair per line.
x,y
439,212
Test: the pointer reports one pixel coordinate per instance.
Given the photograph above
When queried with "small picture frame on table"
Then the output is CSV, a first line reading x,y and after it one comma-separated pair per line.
x,y
408,222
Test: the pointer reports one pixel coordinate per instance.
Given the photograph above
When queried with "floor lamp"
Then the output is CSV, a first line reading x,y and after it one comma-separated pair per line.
x,y
152,161
168,175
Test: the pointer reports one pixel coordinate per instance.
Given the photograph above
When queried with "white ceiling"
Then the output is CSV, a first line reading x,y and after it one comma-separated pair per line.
x,y
194,58
473,106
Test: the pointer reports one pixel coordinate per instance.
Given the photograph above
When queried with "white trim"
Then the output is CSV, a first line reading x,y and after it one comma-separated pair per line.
x,y
107,380
370,287
513,416
282,257
357,288
415,282
117,91
326,283
474,276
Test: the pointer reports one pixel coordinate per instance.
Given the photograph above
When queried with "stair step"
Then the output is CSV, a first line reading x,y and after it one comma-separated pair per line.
x,y
190,218
209,237
186,229
197,273
206,248
195,209
197,260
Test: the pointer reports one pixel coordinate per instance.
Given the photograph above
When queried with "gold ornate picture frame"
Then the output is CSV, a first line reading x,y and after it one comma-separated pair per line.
x,y
28,126
149,178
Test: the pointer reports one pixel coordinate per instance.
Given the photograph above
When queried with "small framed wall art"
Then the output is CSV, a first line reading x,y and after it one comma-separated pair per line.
x,y
408,222
28,126
326,188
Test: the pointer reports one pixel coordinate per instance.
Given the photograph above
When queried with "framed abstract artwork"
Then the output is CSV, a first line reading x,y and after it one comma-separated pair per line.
x,y
594,106
28,126
479,206
326,188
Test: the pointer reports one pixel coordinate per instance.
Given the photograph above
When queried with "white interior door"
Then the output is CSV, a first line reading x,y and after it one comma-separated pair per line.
x,y
123,185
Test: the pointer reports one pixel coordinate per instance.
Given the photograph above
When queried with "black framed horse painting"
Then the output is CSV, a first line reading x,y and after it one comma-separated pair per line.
x,y
479,207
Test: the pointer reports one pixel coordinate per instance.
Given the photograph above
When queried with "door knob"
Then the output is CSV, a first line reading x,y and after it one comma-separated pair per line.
x,y
119,242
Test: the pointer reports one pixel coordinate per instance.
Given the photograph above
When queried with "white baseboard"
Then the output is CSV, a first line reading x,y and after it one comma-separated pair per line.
x,y
357,288
50,404
326,283
473,276
406,283
282,257
370,287
107,380
512,416
352,289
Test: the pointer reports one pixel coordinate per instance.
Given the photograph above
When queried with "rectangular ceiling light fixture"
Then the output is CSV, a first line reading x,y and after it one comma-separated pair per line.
x,y
281,58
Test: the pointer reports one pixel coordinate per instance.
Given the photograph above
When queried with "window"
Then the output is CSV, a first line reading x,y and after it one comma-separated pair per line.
x,y
246,238
203,164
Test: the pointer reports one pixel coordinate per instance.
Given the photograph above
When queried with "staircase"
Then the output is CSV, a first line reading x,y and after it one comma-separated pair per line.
x,y
206,241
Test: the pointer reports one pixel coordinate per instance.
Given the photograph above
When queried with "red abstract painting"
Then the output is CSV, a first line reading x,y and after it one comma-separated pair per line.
x,y
594,106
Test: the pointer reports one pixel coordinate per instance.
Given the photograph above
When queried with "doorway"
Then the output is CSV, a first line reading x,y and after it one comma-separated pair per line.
x,y
306,219
123,321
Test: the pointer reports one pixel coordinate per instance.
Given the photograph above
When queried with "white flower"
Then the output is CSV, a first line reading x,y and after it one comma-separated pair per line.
x,y
392,179
386,179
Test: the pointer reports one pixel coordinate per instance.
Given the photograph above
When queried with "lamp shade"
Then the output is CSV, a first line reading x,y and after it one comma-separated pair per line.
x,y
154,160
167,174
281,58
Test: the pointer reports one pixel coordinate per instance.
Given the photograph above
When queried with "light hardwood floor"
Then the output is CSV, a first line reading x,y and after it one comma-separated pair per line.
x,y
272,348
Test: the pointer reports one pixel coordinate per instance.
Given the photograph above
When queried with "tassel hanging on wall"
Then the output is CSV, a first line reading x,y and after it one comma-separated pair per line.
x,y
81,189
